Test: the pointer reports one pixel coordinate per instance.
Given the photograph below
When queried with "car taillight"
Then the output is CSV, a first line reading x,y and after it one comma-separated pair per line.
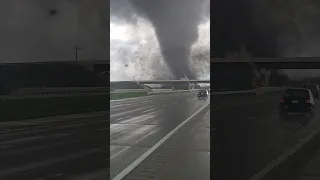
x,y
308,101
281,101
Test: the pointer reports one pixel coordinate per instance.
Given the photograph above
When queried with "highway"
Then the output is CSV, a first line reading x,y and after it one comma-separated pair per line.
x,y
137,125
64,147
249,133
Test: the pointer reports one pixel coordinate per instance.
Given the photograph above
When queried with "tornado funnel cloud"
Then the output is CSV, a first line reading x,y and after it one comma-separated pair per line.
x,y
178,62
176,26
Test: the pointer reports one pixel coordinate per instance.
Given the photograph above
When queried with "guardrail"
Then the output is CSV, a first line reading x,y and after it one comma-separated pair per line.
x,y
153,91
31,92
140,90
258,91
65,92
161,90
3,98
177,91
127,90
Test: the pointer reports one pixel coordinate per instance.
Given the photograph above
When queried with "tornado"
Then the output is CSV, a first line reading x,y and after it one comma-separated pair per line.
x,y
176,27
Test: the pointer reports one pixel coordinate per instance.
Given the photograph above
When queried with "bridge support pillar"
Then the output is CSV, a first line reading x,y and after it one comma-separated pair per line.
x,y
266,74
191,86
148,89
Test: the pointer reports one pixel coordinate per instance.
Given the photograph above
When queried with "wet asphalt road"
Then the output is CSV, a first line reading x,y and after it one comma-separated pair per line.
x,y
250,134
184,156
65,147
136,125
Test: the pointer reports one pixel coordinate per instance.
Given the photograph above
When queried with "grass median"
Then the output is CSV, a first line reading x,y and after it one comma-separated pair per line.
x,y
123,95
16,109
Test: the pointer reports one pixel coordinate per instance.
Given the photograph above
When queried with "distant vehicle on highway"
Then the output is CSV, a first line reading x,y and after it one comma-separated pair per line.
x,y
203,93
314,89
297,100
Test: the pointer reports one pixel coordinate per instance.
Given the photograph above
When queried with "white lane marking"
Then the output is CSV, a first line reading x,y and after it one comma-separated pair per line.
x,y
149,110
138,119
134,164
144,101
175,103
57,175
126,112
119,119
53,128
5,146
32,166
113,106
103,129
122,150
136,98
59,135
285,156
22,140
249,118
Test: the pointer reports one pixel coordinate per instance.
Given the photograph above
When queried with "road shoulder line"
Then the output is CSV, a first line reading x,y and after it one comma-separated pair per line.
x,y
134,164
279,167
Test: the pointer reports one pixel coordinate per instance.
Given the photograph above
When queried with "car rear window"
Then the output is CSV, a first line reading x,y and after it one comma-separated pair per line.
x,y
202,91
296,93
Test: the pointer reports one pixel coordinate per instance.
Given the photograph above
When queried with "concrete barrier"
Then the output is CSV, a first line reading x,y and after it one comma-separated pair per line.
x,y
3,98
78,91
258,91
167,92
141,90
127,90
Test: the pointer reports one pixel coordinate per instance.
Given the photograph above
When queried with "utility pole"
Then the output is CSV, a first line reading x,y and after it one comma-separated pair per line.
x,y
77,48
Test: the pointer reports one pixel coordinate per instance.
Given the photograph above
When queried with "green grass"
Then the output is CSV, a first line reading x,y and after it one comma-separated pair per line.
x,y
115,96
15,109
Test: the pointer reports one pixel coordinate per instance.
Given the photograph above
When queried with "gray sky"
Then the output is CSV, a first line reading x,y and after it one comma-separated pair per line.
x,y
29,33
135,50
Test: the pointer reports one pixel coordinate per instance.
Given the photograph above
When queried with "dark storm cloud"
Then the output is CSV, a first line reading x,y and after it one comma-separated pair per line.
x,y
265,28
123,11
176,26
233,26
47,30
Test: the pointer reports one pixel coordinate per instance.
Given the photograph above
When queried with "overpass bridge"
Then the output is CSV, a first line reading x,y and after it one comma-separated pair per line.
x,y
172,81
273,62
144,83
261,66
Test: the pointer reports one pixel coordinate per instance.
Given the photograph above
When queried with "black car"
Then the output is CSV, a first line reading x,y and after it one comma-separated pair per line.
x,y
314,89
203,93
297,100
